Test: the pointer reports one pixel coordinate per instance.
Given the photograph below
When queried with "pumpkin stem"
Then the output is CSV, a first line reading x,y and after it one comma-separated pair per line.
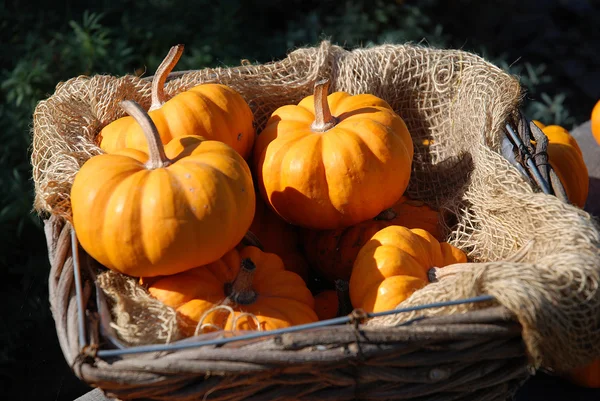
x,y
160,77
240,290
387,215
323,119
156,150
342,290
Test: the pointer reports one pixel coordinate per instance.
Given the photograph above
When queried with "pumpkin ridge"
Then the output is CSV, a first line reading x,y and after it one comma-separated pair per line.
x,y
141,177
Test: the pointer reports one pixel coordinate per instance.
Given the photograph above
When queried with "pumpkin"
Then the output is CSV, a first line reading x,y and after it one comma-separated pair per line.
x,y
278,237
595,122
565,157
394,263
213,111
332,252
587,375
260,293
539,124
333,161
330,304
161,213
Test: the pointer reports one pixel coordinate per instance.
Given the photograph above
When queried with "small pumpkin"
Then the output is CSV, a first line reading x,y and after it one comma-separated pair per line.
x,y
566,158
260,293
330,304
161,213
587,375
595,122
332,252
333,161
394,263
213,111
278,237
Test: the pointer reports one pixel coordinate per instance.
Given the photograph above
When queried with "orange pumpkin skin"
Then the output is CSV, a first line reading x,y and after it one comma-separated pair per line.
x,y
149,221
276,297
394,263
326,304
587,375
565,157
539,124
213,111
595,122
330,178
279,237
333,252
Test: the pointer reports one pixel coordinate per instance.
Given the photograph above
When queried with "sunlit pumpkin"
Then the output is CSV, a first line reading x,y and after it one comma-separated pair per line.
x,y
595,122
178,207
332,252
565,157
333,161
394,263
260,293
213,111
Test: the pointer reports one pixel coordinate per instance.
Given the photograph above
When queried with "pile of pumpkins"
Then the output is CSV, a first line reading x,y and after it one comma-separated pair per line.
x,y
233,228
215,218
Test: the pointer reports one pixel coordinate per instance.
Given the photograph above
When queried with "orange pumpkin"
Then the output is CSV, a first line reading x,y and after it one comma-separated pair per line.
x,y
213,111
260,293
164,212
539,124
333,161
332,252
595,122
333,303
565,157
394,263
278,237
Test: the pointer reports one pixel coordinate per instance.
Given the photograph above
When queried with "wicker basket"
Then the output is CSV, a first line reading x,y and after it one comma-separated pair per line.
x,y
479,355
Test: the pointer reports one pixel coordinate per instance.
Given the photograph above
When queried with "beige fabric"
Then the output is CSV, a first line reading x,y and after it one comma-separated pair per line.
x,y
453,98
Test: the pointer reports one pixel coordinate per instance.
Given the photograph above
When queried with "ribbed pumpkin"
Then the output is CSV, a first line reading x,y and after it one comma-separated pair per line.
x,y
394,263
586,376
278,237
254,284
333,303
332,252
213,111
565,157
333,161
595,122
164,212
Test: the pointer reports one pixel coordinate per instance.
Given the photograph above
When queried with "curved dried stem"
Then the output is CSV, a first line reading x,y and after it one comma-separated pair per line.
x,y
156,150
323,119
160,77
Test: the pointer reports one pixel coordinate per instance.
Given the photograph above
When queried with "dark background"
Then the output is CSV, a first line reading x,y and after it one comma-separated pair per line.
x,y
552,45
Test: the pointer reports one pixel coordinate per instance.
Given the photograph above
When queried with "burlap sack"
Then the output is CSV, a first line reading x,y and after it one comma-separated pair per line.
x,y
457,101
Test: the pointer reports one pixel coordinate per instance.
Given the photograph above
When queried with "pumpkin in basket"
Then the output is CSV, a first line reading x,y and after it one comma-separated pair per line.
x,y
178,207
332,252
595,121
333,161
565,157
278,237
250,289
394,263
333,303
213,111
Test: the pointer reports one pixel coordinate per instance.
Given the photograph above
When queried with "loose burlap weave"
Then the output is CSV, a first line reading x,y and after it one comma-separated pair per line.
x,y
455,100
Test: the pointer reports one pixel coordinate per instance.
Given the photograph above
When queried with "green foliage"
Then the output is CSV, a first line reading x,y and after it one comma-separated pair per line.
x,y
554,60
